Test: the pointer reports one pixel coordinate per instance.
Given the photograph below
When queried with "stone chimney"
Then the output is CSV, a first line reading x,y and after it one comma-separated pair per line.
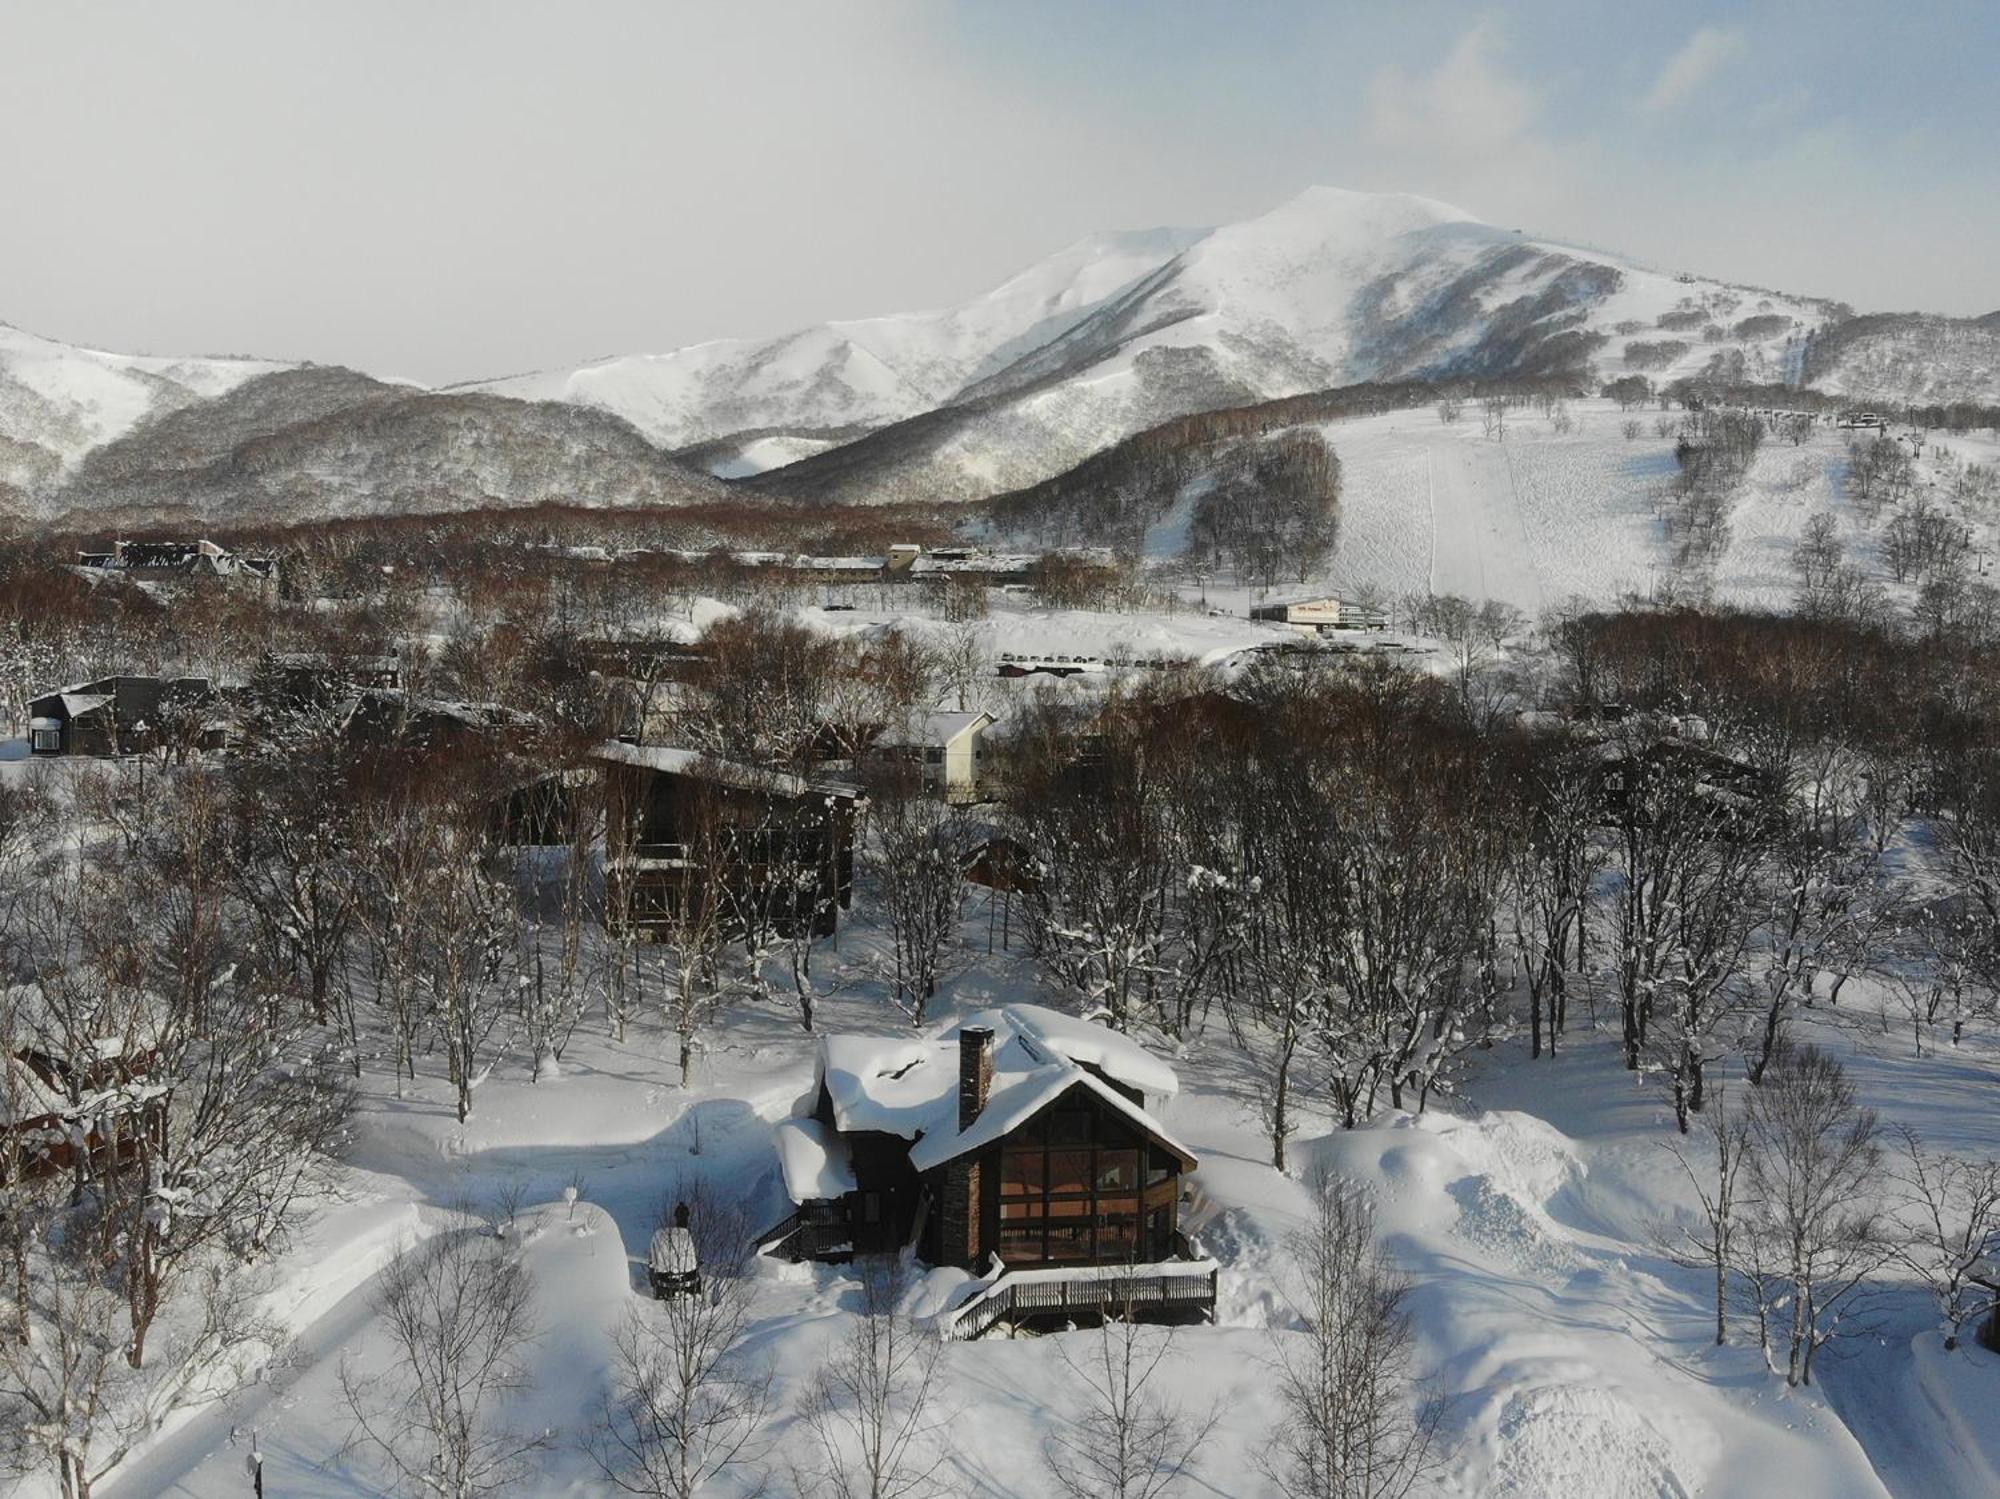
x,y
975,1072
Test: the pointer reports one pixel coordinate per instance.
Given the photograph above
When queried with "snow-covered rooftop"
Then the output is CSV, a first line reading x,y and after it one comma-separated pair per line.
x,y
814,1160
909,1087
932,729
687,762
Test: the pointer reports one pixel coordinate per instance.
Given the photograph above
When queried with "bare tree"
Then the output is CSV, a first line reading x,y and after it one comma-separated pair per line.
x,y
1718,1185
297,866
1126,1439
1358,1424
1812,1161
916,850
72,1404
1687,861
871,1412
1821,903
467,912
690,1401
1950,1210
458,1310
1555,861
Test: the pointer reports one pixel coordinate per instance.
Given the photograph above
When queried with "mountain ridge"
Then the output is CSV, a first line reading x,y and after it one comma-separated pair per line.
x,y
1112,334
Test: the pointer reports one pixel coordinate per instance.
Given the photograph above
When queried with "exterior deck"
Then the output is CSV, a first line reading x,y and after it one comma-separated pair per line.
x,y
1172,1291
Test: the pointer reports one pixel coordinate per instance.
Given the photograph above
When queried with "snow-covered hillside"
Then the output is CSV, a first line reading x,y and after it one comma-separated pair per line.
x,y
1570,508
1910,358
866,371
58,401
1329,289
1110,336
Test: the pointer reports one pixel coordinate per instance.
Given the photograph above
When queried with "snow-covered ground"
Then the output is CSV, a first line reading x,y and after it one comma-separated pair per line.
x,y
1576,1359
1546,515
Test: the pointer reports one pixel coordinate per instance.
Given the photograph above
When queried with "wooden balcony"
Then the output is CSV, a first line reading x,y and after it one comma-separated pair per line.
x,y
1171,1291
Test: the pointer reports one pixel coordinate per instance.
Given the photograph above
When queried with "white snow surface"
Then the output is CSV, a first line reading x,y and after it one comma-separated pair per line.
x,y
1548,516
909,1087
1577,1362
1330,287
867,370
68,400
814,1160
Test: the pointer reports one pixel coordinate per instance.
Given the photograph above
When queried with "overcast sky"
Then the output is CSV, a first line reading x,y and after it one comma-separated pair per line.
x,y
449,190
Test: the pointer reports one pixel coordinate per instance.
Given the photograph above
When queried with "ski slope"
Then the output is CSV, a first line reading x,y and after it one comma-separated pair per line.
x,y
1546,516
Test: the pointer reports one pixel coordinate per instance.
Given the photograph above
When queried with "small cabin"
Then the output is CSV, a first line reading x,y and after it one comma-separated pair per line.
x,y
388,718
47,1133
1021,1143
309,679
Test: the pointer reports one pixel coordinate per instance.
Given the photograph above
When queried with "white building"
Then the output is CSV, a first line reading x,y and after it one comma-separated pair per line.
x,y
950,746
1315,616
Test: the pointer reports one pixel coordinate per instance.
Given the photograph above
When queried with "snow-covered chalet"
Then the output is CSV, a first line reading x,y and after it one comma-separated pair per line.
x,y
1018,1143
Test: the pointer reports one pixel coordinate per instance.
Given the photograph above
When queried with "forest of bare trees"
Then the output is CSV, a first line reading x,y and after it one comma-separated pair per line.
x,y
1673,826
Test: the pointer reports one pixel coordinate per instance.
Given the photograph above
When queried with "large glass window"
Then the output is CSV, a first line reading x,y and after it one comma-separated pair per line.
x,y
1070,1189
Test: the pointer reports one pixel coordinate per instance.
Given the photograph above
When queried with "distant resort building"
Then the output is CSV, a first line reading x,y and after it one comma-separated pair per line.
x,y
1316,616
170,561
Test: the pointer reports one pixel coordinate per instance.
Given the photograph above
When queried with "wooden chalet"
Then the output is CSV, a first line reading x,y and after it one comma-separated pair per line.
x,y
683,828
122,715
1021,1144
43,1132
305,679
1985,1276
1739,796
388,718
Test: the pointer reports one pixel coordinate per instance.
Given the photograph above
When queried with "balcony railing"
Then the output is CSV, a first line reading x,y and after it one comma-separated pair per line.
x,y
1169,1290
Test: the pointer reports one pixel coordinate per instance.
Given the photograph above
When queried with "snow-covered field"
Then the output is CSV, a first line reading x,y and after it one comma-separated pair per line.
x,y
1576,1359
1430,507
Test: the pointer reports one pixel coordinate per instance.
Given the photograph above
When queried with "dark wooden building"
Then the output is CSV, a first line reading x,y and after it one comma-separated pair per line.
x,y
768,848
42,1132
1022,1143
304,679
385,718
123,715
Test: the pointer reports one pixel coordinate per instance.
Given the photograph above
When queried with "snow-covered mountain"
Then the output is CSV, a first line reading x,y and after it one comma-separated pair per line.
x,y
58,401
1112,335
1909,357
1329,289
864,372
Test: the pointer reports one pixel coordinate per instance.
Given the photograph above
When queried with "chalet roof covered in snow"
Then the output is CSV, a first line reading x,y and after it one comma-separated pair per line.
x,y
933,729
909,1087
815,1161
686,762
25,1094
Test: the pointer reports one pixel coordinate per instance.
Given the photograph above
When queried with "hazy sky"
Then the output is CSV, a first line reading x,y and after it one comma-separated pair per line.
x,y
449,190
